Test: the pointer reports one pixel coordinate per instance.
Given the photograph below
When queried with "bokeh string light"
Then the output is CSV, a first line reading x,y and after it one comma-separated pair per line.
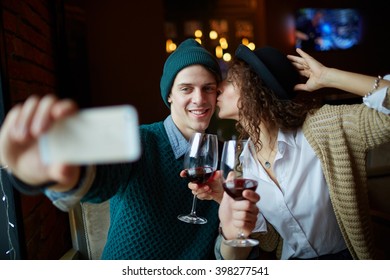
x,y
10,226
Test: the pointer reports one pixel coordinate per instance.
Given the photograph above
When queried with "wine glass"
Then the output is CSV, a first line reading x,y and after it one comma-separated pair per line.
x,y
235,156
200,162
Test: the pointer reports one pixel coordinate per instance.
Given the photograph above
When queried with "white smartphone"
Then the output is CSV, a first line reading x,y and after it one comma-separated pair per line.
x,y
98,135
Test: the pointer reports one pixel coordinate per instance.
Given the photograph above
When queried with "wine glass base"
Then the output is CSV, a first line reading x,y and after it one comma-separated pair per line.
x,y
242,242
190,219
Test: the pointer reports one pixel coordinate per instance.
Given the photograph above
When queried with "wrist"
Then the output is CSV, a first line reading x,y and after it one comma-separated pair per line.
x,y
329,78
30,189
27,188
228,233
221,232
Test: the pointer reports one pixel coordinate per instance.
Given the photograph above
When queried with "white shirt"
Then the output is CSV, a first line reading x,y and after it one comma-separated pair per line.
x,y
300,210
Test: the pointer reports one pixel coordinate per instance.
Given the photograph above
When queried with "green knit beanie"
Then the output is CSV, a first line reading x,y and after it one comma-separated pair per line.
x,y
188,53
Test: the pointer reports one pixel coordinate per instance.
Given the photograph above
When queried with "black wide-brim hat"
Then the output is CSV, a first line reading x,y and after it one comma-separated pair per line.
x,y
273,67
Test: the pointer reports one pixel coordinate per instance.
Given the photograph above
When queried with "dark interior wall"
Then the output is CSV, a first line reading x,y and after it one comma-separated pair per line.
x,y
28,67
126,52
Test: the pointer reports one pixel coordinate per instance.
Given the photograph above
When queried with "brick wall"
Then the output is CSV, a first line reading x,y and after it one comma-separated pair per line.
x,y
30,65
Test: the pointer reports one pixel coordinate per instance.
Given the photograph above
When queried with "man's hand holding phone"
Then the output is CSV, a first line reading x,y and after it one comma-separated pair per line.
x,y
47,139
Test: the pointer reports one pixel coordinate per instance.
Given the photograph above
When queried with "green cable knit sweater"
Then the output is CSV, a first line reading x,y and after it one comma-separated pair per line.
x,y
146,198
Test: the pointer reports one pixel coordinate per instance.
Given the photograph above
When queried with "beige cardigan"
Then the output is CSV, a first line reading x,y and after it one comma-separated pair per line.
x,y
341,137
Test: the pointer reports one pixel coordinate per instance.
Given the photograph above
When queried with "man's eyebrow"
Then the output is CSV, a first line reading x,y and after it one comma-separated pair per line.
x,y
184,84
191,84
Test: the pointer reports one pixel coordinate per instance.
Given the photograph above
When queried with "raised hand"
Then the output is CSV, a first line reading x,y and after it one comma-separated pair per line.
x,y
19,135
309,68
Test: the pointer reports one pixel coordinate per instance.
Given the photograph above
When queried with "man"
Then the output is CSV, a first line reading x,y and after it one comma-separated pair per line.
x,y
145,196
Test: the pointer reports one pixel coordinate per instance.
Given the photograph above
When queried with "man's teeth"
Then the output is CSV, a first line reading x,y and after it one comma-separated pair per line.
x,y
198,112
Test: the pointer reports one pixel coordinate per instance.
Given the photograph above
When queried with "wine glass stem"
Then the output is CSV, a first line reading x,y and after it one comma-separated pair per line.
x,y
193,209
240,234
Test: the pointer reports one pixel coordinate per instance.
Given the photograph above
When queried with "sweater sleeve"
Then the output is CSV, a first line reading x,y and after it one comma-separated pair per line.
x,y
374,126
67,200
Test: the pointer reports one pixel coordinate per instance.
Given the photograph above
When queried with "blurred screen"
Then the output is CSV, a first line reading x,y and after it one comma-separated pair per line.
x,y
327,29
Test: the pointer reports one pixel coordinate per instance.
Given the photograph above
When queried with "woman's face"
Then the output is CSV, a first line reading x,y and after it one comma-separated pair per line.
x,y
228,99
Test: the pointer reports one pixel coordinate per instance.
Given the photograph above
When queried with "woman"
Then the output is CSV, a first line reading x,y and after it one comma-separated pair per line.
x,y
309,161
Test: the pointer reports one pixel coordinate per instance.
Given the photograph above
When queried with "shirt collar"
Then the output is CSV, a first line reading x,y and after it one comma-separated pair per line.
x,y
287,137
178,143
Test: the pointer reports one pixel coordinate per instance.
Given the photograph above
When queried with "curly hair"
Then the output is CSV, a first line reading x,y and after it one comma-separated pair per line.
x,y
258,103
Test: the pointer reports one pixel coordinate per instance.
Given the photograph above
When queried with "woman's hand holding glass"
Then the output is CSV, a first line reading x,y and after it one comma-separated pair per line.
x,y
242,214
235,162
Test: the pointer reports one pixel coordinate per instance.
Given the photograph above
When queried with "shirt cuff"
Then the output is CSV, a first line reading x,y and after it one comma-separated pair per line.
x,y
253,255
377,100
27,188
67,200
217,248
261,224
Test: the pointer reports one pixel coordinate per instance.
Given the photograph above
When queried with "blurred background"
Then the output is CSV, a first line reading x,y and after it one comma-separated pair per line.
x,y
109,52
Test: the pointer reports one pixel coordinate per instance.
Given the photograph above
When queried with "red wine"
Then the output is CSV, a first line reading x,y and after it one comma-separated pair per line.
x,y
199,175
237,186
